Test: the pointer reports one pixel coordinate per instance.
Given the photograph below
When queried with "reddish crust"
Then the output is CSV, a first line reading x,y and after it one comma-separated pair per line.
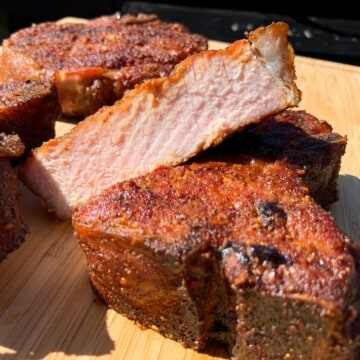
x,y
29,109
106,42
118,52
12,227
299,137
169,234
10,146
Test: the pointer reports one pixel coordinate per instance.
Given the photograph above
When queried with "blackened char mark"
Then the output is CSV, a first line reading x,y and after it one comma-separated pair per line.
x,y
267,213
246,253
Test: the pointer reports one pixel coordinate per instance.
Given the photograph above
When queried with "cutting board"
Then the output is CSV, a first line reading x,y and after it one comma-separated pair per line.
x,y
47,307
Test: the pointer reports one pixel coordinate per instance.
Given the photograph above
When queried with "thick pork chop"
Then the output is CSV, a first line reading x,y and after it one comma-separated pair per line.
x,y
29,109
234,252
93,63
167,120
299,138
12,226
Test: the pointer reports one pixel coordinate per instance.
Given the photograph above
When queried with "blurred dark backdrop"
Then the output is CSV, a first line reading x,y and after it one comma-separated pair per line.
x,y
331,32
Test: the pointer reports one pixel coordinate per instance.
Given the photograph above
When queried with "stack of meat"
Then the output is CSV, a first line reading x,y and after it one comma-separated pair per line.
x,y
231,244
93,63
27,118
64,69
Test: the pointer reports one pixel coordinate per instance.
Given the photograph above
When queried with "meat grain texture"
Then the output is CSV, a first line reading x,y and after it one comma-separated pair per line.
x,y
93,63
164,121
231,251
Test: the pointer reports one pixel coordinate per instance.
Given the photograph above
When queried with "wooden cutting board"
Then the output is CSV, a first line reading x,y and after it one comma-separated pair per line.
x,y
47,307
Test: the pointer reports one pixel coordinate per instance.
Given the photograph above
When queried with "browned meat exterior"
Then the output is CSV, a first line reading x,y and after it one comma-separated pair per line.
x,y
29,109
93,63
299,137
306,142
12,227
233,252
11,145
208,97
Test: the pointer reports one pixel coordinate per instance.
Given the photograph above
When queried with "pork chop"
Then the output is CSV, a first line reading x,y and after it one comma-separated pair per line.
x,y
13,229
29,109
308,143
233,252
208,97
93,63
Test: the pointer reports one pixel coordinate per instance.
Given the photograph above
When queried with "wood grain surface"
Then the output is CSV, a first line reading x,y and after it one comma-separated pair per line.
x,y
47,307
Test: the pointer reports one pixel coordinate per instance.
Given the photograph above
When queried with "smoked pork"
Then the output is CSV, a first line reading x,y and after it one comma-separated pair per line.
x,y
234,251
29,109
308,143
13,229
93,63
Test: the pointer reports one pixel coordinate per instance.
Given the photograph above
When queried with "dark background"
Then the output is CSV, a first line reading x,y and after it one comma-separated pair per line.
x,y
329,32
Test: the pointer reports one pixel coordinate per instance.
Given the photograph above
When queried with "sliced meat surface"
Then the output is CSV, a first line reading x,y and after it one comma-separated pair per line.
x,y
236,252
93,63
29,109
208,97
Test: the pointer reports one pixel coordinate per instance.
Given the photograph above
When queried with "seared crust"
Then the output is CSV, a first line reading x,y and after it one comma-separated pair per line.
x,y
298,137
306,142
188,234
11,146
12,227
107,42
93,63
29,109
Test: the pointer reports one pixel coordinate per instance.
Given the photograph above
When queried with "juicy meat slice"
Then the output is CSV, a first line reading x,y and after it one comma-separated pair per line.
x,y
93,63
163,121
236,252
12,227
298,137
29,109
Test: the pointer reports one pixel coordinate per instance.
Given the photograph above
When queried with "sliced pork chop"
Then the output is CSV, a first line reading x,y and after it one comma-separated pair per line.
x,y
167,120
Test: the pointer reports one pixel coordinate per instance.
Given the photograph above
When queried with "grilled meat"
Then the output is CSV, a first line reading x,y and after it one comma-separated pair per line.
x,y
12,227
233,252
299,138
208,97
29,109
11,145
92,64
